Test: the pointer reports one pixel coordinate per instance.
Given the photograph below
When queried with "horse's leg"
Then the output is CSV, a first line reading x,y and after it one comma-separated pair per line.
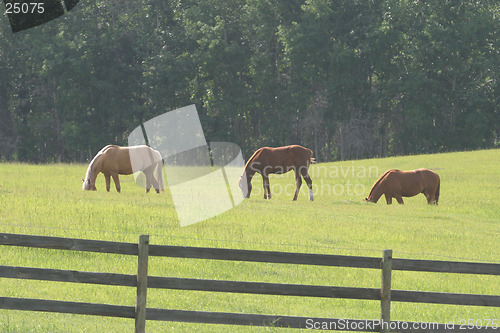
x,y
298,181
388,199
156,184
147,174
148,184
399,199
108,181
309,184
151,182
117,181
265,183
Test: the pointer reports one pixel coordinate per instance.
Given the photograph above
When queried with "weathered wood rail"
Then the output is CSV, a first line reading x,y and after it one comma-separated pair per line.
x,y
143,250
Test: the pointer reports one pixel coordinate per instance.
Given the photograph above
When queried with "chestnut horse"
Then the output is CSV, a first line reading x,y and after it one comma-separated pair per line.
x,y
398,184
113,160
277,160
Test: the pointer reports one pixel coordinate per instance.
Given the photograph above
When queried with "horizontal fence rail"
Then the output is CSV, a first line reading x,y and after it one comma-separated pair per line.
x,y
75,244
261,288
438,266
144,249
27,304
331,324
264,256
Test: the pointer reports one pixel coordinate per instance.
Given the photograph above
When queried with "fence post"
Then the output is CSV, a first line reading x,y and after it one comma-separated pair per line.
x,y
385,304
142,284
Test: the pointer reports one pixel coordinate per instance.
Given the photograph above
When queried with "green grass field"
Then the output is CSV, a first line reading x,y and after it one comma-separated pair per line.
x,y
465,226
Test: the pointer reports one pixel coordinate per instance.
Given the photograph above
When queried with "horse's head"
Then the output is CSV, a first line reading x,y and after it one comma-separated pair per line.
x,y
245,185
88,185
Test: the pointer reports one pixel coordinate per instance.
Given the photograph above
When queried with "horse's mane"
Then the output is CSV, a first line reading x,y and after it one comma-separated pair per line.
x,y
378,182
91,164
106,148
252,157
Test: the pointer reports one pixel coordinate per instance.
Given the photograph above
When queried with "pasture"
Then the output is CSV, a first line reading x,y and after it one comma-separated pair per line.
x,y
465,226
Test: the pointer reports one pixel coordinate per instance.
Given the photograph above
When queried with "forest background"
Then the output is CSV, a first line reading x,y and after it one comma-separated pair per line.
x,y
349,79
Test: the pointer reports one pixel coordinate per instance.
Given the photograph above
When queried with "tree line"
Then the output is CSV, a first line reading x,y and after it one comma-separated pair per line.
x,y
348,79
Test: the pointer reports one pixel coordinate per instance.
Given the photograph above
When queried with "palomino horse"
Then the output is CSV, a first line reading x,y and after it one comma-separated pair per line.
x,y
398,184
114,160
277,160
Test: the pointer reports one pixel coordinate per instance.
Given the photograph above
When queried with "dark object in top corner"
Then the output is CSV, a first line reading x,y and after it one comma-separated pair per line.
x,y
25,15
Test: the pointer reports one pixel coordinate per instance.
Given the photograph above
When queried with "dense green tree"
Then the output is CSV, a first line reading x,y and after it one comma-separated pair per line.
x,y
349,79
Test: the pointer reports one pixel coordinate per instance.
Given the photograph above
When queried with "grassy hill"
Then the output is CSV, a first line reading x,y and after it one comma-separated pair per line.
x,y
465,226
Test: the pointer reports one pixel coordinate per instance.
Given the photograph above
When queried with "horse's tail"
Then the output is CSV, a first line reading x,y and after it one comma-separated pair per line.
x,y
311,158
436,196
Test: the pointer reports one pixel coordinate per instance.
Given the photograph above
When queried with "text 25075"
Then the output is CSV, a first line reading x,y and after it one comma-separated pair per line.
x,y
24,7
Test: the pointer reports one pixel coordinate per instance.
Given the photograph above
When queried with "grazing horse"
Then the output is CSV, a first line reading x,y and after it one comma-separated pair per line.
x,y
398,184
113,160
277,160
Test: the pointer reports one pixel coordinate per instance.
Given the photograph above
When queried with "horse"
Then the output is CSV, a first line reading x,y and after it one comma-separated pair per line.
x,y
278,160
397,184
113,160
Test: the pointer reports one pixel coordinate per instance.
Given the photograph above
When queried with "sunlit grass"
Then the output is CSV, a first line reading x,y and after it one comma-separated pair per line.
x,y
48,200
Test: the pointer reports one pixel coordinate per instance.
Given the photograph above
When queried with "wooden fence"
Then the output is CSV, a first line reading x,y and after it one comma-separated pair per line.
x,y
142,282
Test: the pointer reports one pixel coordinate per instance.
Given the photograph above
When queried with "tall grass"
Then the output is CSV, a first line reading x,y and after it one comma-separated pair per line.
x,y
48,200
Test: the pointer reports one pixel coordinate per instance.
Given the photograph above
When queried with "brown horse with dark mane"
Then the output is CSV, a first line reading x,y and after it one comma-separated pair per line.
x,y
113,160
278,160
397,184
